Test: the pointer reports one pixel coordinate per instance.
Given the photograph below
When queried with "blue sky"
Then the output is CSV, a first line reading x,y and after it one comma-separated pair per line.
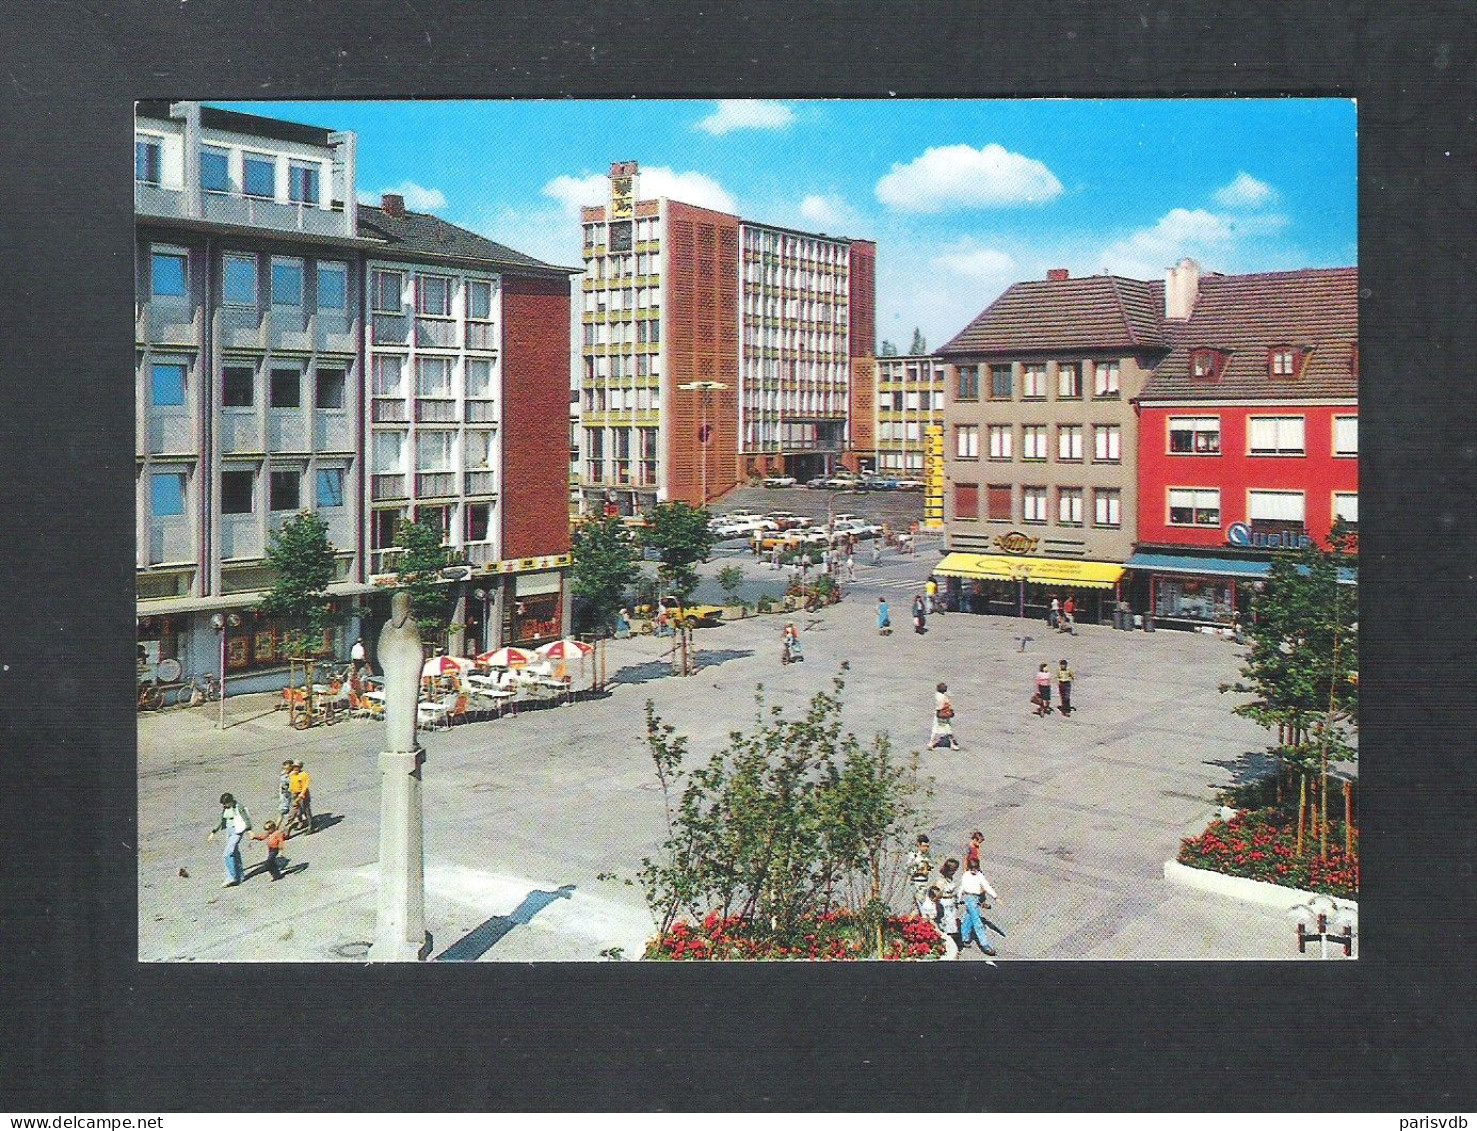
x,y
963,197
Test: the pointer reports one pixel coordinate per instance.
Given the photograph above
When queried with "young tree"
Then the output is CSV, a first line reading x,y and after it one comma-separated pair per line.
x,y
604,567
886,349
1302,666
681,537
730,577
418,571
302,558
919,346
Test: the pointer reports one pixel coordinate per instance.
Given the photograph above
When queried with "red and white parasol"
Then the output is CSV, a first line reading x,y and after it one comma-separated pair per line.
x,y
566,649
507,658
445,665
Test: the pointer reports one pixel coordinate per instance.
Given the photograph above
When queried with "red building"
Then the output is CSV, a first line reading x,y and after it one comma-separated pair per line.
x,y
1248,437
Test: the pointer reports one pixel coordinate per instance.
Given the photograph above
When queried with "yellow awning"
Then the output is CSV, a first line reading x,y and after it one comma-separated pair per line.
x,y
1047,571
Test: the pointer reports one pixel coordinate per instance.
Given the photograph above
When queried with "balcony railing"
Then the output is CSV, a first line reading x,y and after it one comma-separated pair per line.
x,y
434,484
390,410
225,208
435,332
387,487
479,553
480,336
389,329
384,561
481,483
481,412
435,410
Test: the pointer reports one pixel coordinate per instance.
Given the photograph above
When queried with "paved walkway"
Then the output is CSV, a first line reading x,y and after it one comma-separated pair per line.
x,y
523,814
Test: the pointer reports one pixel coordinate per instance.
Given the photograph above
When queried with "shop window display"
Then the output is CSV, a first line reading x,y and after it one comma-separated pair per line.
x,y
1192,598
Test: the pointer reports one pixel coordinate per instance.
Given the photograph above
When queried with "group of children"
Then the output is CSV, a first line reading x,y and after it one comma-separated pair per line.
x,y
955,906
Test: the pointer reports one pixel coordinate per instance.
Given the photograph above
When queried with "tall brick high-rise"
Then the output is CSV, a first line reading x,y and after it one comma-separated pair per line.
x,y
714,349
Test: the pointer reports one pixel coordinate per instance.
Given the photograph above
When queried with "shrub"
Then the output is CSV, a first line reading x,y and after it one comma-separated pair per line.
x,y
1261,844
831,936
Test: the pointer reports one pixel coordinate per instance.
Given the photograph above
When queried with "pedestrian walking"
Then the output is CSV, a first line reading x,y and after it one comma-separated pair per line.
x,y
358,656
622,624
274,836
931,907
972,849
920,868
920,619
1064,677
1054,614
973,889
302,799
850,565
943,720
235,822
884,620
1069,616
284,793
876,551
1042,698
931,594
790,644
948,903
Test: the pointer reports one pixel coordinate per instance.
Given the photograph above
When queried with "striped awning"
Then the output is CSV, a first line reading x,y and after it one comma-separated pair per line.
x,y
1046,571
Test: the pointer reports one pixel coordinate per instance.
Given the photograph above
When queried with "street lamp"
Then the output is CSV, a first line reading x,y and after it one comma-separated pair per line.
x,y
223,623
704,387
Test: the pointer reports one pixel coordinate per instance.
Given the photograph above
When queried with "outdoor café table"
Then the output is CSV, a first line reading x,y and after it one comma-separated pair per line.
x,y
487,686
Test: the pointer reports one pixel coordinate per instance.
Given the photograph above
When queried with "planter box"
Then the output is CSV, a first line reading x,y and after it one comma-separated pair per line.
x,y
1247,891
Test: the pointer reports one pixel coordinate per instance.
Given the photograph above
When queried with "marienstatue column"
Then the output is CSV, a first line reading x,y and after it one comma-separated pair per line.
x,y
400,930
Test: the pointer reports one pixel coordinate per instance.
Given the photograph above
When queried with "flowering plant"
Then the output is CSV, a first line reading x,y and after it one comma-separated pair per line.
x,y
1262,845
839,935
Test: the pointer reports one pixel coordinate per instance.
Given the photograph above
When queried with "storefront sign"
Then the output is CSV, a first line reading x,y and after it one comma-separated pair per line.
x,y
1016,542
1240,534
933,476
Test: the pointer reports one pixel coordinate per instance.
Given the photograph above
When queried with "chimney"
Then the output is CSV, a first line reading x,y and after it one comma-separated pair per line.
x,y
1181,287
1057,274
392,204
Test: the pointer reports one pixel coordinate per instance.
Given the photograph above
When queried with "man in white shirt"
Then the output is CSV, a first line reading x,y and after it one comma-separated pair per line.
x,y
358,655
973,887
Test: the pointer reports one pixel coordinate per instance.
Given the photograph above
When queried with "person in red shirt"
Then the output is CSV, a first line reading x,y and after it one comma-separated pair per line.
x,y
275,839
972,852
1069,617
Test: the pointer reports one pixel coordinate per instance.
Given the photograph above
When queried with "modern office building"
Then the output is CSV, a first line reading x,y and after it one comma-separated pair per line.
x,y
253,382
909,398
712,349
1040,440
1248,441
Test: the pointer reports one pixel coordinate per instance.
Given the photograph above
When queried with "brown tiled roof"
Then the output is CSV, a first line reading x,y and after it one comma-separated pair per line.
x,y
1093,312
1316,309
416,233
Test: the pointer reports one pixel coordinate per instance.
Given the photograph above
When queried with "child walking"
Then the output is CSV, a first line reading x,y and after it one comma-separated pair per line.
x,y
275,838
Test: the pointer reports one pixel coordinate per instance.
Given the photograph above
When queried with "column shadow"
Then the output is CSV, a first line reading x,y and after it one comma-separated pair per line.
x,y
483,937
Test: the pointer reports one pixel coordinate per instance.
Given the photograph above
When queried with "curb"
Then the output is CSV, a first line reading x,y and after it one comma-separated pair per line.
x,y
1247,891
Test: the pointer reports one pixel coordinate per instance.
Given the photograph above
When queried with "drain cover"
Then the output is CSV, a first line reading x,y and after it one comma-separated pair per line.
x,y
352,950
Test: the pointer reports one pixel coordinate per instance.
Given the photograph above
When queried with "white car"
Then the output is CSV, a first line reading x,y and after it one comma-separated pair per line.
x,y
860,529
780,481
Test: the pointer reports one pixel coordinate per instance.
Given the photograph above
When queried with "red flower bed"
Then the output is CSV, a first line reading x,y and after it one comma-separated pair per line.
x,y
836,936
1260,845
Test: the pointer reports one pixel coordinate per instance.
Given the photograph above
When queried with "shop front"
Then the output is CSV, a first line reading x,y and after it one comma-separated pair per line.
x,y
533,614
1025,586
1189,590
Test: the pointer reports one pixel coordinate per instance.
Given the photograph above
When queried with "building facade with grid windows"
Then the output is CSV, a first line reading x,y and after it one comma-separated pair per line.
x,y
910,398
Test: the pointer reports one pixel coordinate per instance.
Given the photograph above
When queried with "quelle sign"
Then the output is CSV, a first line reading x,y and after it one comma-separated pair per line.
x,y
1240,534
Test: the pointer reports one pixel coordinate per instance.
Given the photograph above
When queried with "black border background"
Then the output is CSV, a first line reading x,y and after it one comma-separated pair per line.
x,y
84,1027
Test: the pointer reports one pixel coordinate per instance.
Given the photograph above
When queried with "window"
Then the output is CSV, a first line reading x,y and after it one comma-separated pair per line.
x,y
969,382
330,486
168,494
1107,443
169,271
1282,361
333,286
1033,504
1033,441
1205,365
1000,384
287,388
1346,435
1194,507
238,386
238,280
997,502
938,401
236,491
287,282
386,522
302,183
433,451
1278,507
286,490
388,287
215,169
1195,435
330,388
438,518
1033,382
1346,507
1275,435
1107,507
479,516
966,500
147,160
479,379
1000,441
168,384
433,296
1105,381
1069,443
1069,506
388,371
910,402
260,175
389,452
1068,381
478,450
967,441
479,300
433,377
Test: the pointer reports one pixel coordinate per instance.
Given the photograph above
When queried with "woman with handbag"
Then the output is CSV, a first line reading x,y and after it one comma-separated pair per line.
x,y
943,721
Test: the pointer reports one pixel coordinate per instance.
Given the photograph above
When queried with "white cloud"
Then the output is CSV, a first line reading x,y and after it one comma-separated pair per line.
x,y
544,233
982,264
654,181
960,176
830,212
746,114
1245,192
418,198
1220,241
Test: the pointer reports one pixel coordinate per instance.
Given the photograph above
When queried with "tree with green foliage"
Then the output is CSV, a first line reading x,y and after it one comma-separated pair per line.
x,y
681,537
418,571
1302,667
792,819
302,560
886,349
920,345
730,577
605,566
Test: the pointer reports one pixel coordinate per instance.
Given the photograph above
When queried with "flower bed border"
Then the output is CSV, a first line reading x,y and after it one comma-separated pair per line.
x,y
1247,890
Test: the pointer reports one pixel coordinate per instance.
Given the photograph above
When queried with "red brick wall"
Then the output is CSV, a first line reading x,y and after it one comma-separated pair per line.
x,y
535,417
861,411
701,326
863,298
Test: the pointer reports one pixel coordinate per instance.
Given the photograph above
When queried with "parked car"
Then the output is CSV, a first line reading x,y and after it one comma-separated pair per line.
x,y
860,530
910,484
701,616
786,520
780,481
743,528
